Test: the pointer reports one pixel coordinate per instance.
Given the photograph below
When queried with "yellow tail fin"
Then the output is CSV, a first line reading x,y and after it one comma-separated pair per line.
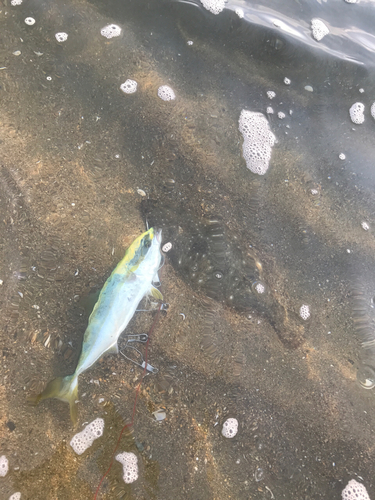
x,y
65,389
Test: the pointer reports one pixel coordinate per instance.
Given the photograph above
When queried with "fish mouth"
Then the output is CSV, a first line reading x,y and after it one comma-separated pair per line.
x,y
158,235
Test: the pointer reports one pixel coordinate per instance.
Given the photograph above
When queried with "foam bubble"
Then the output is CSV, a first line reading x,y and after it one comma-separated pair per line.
x,y
240,13
319,29
84,439
309,88
129,86
167,247
373,110
281,115
271,94
166,93
361,91
259,287
129,462
214,6
61,37
16,2
230,428
15,496
110,31
342,156
269,110
258,141
190,42
356,113
4,466
354,491
30,21
351,1
287,81
365,225
304,312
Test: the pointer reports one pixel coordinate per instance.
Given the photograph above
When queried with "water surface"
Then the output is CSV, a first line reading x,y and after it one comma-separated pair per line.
x,y
83,165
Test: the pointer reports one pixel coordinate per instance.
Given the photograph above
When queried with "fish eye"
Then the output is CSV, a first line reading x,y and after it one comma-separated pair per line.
x,y
147,243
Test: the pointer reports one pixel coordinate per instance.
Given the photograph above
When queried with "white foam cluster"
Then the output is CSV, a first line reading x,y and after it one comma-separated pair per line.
x,y
167,247
281,115
16,2
230,428
304,312
260,288
15,496
351,1
166,93
129,86
356,113
214,6
129,463
319,29
354,491
257,141
271,94
287,81
111,31
4,466
342,156
61,37
269,110
240,13
30,21
365,225
373,110
190,42
84,439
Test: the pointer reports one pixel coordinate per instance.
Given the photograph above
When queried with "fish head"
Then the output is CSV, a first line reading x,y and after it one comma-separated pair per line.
x,y
146,241
151,239
149,249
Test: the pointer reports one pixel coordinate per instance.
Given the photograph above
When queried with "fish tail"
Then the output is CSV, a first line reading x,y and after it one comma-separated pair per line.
x,y
64,388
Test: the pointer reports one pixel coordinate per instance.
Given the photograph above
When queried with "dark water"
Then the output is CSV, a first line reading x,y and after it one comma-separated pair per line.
x,y
83,165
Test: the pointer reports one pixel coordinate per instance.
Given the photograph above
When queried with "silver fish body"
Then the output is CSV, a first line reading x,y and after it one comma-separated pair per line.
x,y
130,281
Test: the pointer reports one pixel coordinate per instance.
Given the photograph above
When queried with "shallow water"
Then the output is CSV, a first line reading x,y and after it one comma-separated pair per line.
x,y
83,165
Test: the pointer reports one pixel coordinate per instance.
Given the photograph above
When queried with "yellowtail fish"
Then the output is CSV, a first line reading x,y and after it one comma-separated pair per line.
x,y
130,281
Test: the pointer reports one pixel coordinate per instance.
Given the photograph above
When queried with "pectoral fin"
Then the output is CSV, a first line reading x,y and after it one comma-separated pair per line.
x,y
155,279
113,349
156,293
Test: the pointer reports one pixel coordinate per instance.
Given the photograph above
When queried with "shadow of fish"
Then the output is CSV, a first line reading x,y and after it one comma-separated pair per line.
x,y
211,261
130,281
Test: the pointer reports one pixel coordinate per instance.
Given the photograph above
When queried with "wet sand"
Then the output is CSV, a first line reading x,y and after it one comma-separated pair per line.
x,y
75,151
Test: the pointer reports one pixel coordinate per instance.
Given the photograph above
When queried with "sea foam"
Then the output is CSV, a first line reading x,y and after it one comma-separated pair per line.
x,y
258,140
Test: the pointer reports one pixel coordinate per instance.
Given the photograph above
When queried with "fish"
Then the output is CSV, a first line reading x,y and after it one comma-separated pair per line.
x,y
206,256
119,298
222,266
